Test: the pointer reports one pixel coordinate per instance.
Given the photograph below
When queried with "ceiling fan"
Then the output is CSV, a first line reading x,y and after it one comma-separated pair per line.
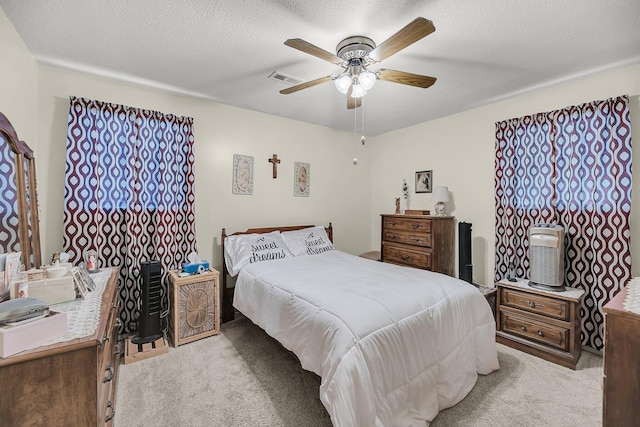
x,y
356,53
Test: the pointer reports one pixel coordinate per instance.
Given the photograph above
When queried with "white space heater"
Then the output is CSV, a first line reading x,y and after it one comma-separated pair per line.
x,y
546,257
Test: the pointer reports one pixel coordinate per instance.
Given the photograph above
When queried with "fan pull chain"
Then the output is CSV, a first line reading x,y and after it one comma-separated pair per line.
x,y
355,133
362,138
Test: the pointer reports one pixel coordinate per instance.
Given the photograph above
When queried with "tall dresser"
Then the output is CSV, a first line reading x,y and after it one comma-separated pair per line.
x,y
419,241
71,383
621,397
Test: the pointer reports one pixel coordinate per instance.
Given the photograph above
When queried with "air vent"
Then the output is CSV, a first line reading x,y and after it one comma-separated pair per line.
x,y
285,78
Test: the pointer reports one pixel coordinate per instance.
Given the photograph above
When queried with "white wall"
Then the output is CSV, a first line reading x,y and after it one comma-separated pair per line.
x,y
339,190
460,151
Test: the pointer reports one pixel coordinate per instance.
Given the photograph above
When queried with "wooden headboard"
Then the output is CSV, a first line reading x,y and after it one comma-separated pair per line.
x,y
227,293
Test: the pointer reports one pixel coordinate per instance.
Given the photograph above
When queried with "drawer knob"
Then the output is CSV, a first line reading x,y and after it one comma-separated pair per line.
x,y
415,225
393,223
540,333
523,328
109,374
404,257
111,414
532,304
392,236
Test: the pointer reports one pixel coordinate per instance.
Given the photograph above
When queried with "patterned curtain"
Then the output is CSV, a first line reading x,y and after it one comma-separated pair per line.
x,y
570,167
129,192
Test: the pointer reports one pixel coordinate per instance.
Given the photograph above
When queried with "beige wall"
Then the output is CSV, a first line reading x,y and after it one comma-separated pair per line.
x,y
458,148
460,151
221,131
18,83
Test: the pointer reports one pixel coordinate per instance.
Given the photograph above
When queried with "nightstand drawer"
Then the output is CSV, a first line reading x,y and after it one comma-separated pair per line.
x,y
400,255
552,335
556,308
407,224
418,239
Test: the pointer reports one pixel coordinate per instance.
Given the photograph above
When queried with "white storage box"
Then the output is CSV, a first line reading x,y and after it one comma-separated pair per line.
x,y
53,291
14,339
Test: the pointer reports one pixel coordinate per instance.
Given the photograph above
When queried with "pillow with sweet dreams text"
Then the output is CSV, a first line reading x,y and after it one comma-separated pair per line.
x,y
308,241
243,249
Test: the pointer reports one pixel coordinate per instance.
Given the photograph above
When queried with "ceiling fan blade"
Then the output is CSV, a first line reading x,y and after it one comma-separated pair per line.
x,y
353,102
405,78
414,31
314,50
305,85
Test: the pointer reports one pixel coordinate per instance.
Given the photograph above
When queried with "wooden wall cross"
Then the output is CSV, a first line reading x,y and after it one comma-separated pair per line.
x,y
275,160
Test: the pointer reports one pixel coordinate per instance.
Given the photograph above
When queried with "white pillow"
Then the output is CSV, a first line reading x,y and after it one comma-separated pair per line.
x,y
244,249
308,241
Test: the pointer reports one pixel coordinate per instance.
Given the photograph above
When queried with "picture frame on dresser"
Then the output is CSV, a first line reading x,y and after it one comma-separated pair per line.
x,y
424,181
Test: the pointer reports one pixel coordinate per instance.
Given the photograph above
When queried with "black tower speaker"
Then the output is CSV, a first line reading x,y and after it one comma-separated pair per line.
x,y
149,328
465,267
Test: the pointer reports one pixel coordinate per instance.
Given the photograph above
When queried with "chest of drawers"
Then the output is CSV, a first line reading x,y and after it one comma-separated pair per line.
x,y
621,385
418,241
72,383
543,323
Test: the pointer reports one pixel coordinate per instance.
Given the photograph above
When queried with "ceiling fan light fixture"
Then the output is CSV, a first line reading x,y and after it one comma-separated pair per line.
x,y
367,79
342,83
358,91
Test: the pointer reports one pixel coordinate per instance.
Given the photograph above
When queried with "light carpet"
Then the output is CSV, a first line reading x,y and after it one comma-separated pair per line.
x,y
244,378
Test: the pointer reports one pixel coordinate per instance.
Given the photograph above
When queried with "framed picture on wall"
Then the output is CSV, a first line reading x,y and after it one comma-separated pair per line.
x,y
424,181
301,179
242,174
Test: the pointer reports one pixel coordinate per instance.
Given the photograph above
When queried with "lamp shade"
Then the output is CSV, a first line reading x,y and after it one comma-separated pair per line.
x,y
440,194
342,83
367,79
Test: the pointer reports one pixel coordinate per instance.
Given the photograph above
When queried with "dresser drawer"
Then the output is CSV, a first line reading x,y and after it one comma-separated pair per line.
x,y
552,335
399,255
407,224
418,239
545,306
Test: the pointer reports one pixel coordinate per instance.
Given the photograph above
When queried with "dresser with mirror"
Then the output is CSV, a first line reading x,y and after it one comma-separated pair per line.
x,y
69,382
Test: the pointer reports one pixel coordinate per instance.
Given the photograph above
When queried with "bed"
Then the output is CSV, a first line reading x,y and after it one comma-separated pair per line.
x,y
392,345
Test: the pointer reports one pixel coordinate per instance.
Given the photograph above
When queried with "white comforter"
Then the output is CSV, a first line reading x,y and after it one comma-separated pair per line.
x,y
392,345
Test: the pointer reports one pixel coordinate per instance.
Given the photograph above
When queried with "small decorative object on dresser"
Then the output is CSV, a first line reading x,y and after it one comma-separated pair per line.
x,y
405,194
416,212
194,305
419,241
543,323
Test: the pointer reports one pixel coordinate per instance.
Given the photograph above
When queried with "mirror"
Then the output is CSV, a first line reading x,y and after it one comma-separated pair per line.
x,y
19,226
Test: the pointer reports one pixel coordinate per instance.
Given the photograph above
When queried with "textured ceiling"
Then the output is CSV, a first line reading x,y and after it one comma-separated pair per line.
x,y
481,51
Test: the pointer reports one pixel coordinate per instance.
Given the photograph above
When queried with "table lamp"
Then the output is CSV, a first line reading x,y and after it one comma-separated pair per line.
x,y
440,195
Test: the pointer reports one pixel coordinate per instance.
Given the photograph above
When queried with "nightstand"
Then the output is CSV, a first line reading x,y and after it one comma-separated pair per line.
x,y
373,255
195,311
490,295
542,323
